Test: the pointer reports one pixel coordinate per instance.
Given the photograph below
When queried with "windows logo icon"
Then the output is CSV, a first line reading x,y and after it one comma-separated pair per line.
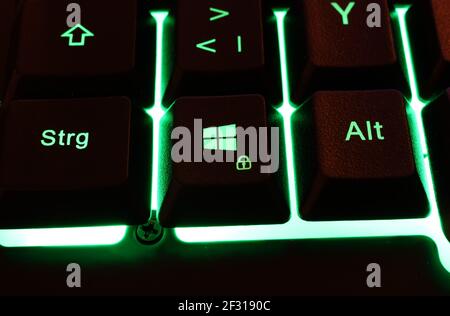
x,y
220,138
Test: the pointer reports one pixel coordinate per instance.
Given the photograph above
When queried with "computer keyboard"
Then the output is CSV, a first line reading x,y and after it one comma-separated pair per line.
x,y
224,147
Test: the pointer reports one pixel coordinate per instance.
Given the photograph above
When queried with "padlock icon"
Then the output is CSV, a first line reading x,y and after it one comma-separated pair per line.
x,y
243,163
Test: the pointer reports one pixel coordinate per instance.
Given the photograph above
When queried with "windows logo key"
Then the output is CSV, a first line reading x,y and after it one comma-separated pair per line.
x,y
212,141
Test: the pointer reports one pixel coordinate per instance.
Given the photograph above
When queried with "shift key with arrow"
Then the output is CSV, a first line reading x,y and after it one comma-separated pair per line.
x,y
219,43
60,40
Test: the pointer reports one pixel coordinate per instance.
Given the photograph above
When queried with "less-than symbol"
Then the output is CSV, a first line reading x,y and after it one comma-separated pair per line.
x,y
204,46
220,14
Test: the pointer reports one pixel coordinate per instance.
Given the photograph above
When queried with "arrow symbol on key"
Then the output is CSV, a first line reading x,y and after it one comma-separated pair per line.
x,y
77,30
204,46
220,14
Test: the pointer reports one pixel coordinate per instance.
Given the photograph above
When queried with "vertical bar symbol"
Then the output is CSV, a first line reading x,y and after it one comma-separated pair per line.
x,y
239,44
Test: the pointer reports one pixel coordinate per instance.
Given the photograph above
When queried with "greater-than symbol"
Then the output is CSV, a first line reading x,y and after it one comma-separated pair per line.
x,y
220,14
77,30
204,46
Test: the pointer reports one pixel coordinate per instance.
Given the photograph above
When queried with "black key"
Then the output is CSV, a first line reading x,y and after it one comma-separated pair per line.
x,y
70,162
242,189
55,42
430,38
436,116
219,47
343,47
355,158
7,17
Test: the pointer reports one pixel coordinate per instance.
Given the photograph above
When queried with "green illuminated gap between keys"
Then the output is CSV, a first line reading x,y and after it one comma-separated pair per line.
x,y
295,228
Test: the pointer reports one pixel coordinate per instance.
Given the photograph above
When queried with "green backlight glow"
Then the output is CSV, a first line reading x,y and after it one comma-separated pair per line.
x,y
51,237
160,18
286,110
400,14
157,111
102,235
296,228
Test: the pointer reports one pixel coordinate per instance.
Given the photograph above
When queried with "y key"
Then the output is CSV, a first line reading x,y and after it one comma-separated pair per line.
x,y
343,45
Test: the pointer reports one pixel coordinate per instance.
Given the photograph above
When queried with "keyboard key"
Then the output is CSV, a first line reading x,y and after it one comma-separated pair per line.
x,y
355,158
430,22
435,117
67,162
221,175
219,47
343,47
70,40
7,17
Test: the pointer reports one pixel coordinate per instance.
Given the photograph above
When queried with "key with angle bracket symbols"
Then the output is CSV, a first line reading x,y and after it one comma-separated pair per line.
x,y
219,47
